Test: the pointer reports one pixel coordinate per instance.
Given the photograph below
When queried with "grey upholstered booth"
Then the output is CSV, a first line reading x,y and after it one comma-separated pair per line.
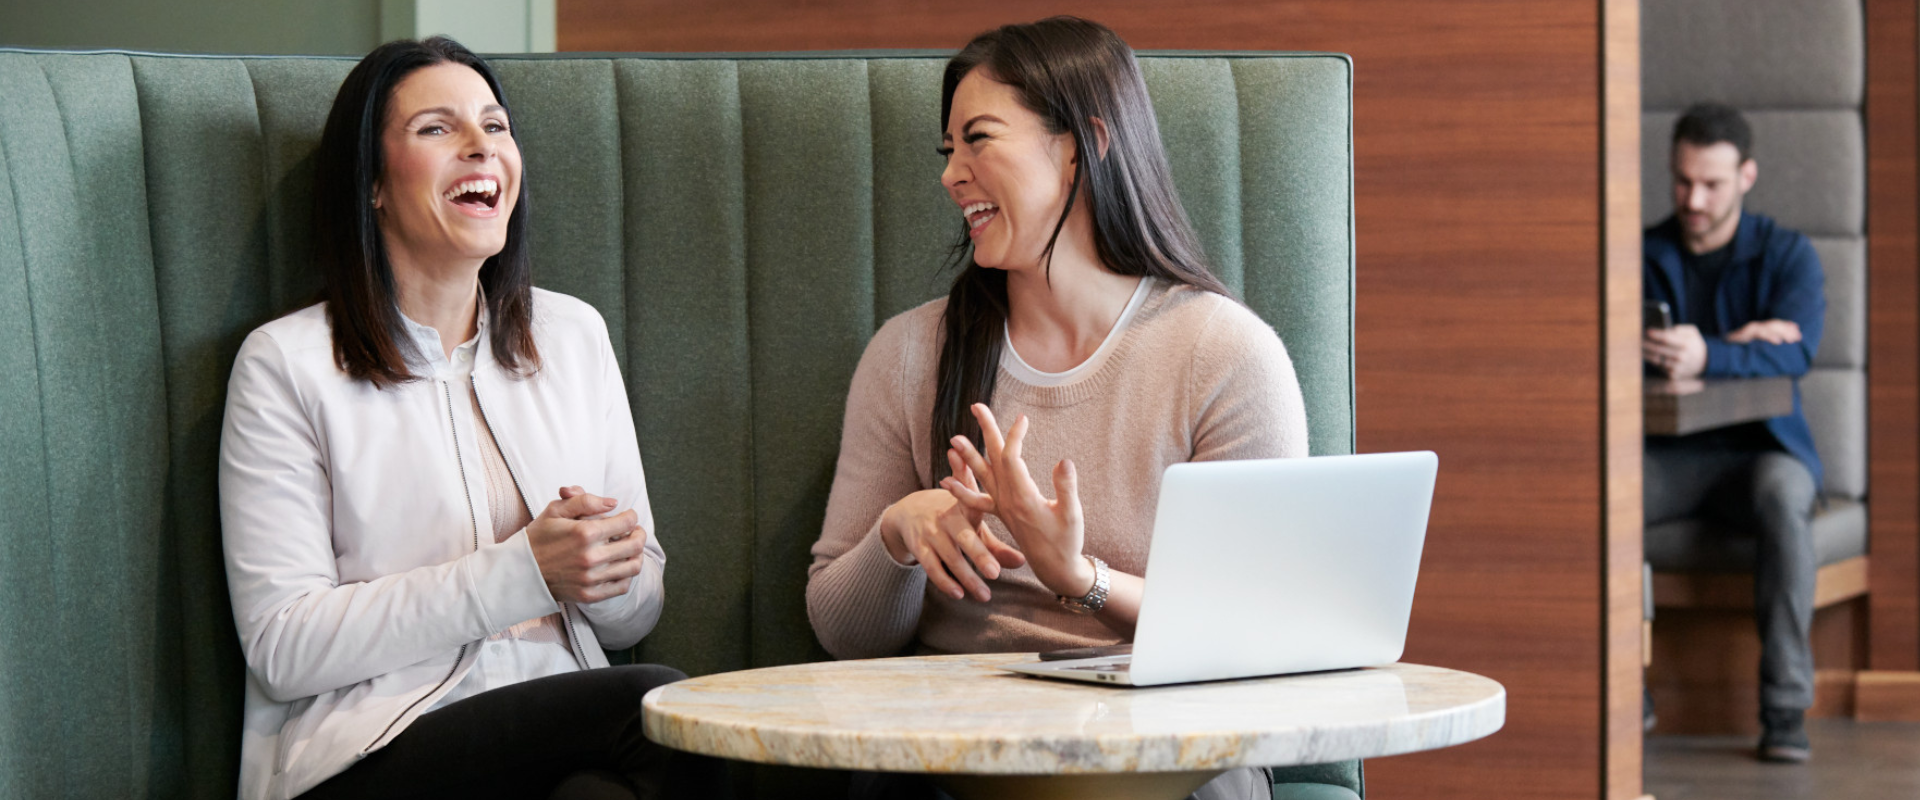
x,y
744,223
1796,68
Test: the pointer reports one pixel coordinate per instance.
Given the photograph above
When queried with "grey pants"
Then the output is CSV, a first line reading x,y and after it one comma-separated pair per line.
x,y
1770,496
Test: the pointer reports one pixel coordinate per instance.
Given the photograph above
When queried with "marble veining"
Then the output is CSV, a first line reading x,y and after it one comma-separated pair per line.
x,y
960,714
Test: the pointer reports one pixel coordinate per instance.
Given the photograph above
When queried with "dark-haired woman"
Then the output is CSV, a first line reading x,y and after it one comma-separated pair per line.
x,y
420,602
1085,338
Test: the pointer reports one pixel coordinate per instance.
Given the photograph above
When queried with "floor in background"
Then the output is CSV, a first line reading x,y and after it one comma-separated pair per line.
x,y
1850,759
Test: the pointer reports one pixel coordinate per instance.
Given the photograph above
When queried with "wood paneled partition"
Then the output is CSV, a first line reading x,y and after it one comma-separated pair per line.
x,y
1893,335
1620,281
1481,301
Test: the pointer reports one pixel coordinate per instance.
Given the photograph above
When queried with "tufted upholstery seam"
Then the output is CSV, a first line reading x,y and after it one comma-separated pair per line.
x,y
39,358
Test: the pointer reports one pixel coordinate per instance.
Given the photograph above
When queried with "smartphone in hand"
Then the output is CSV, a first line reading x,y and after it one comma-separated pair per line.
x,y
1656,315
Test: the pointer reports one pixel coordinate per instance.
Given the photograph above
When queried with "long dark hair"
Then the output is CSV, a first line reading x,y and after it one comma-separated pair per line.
x,y
362,304
1068,71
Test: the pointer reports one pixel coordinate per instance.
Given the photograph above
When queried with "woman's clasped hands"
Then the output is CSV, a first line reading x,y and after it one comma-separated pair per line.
x,y
944,529
584,557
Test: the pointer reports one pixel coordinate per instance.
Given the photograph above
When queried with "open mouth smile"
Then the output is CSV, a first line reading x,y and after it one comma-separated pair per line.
x,y
478,197
978,215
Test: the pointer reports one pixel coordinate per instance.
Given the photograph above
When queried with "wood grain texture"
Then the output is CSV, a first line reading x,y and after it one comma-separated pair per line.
x,y
1705,676
1477,131
1837,582
1832,693
1886,696
1893,332
1678,408
1626,646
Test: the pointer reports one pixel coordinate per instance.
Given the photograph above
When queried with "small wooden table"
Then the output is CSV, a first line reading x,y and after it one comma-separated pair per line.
x,y
985,733
1680,407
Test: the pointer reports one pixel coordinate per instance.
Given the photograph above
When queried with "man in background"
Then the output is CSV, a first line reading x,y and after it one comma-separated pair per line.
x,y
1746,300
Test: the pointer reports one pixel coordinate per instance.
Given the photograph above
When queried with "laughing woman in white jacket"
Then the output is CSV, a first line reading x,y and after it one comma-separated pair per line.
x,y
431,494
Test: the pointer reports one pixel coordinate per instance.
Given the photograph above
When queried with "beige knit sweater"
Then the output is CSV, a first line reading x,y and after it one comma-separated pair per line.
x,y
1194,377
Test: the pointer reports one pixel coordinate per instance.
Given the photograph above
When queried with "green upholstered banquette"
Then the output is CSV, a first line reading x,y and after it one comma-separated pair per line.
x,y
743,221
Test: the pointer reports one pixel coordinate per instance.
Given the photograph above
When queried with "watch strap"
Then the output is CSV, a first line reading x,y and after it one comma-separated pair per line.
x,y
1096,597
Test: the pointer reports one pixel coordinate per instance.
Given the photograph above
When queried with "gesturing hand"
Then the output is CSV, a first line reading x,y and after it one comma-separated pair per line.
x,y
583,558
1050,532
948,540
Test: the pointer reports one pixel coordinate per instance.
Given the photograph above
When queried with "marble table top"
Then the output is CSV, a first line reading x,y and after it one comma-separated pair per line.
x,y
958,714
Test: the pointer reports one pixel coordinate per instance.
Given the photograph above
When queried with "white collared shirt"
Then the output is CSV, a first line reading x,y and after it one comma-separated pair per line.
x,y
535,648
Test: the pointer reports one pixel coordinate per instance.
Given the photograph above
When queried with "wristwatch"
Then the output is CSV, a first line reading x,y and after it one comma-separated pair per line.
x,y
1095,598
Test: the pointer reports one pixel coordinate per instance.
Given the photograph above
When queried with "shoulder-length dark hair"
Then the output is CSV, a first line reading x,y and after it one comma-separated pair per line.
x,y
362,304
1068,71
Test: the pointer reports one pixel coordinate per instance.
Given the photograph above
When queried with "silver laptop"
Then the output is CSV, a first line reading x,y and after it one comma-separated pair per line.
x,y
1271,567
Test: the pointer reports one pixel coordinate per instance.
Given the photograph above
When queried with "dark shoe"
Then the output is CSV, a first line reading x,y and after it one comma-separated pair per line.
x,y
1783,738
1648,719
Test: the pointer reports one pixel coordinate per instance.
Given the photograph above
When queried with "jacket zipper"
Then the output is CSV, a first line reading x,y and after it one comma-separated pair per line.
x,y
474,521
573,636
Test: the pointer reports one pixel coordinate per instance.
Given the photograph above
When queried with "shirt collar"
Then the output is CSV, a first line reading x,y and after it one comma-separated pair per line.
x,y
426,341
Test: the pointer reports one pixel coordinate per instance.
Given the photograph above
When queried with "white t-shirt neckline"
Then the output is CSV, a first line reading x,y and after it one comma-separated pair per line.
x,y
1023,372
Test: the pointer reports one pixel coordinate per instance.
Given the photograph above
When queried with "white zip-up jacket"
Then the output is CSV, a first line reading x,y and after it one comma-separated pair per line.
x,y
360,561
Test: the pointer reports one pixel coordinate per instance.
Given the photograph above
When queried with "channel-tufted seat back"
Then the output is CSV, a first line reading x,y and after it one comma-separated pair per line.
x,y
744,223
1796,69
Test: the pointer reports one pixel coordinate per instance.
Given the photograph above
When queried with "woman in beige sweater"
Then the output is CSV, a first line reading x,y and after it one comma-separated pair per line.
x,y
1085,338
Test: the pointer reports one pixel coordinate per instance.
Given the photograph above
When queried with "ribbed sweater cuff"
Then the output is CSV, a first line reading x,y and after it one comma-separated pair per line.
x,y
879,599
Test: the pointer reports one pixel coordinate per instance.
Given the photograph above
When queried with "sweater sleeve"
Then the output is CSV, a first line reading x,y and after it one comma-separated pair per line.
x,y
862,603
1244,398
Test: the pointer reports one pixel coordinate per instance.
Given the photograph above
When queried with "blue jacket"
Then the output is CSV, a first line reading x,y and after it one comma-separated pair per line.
x,y
1773,274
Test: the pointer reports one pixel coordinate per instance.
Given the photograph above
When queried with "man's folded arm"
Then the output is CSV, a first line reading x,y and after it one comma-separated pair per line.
x,y
1801,301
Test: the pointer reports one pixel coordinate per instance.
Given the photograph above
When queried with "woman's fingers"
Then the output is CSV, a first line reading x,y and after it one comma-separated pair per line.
x,y
1066,489
977,463
1009,556
961,470
968,491
614,570
1016,436
629,544
605,591
956,566
989,432
578,505
1014,466
936,574
967,536
975,502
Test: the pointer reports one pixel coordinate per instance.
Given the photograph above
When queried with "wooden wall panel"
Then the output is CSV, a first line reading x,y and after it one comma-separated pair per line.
x,y
1478,141
1893,335
1624,439
1703,677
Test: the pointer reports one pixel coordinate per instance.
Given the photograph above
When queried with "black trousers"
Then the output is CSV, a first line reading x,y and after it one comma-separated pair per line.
x,y
569,737
1769,494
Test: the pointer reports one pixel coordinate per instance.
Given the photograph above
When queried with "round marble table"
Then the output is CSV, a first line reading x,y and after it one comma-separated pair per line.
x,y
983,732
